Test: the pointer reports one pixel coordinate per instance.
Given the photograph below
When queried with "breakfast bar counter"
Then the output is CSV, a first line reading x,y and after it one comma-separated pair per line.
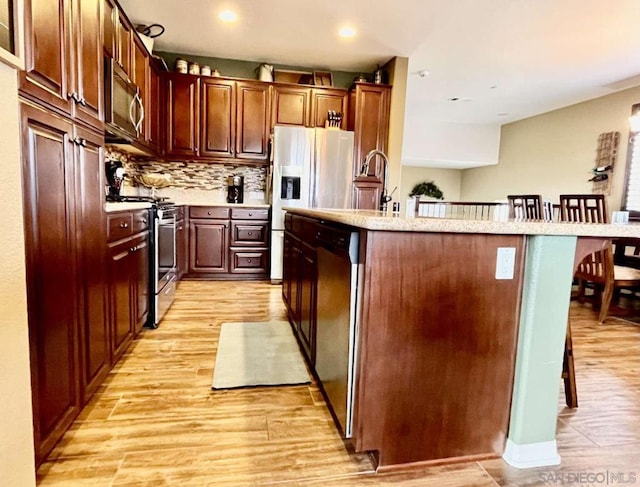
x,y
460,332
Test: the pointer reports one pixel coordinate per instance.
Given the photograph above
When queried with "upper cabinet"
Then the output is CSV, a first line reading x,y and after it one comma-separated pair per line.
x,y
216,119
88,55
252,122
368,117
124,42
291,105
218,116
306,107
182,93
141,76
109,10
324,100
63,57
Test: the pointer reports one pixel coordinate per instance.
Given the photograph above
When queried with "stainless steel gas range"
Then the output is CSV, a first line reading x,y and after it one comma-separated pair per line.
x,y
163,276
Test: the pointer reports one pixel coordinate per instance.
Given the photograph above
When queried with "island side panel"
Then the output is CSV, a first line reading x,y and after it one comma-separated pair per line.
x,y
437,346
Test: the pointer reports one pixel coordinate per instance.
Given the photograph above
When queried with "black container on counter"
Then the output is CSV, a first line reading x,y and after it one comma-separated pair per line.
x,y
235,189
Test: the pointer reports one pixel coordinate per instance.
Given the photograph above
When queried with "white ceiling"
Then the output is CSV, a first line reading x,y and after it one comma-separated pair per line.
x,y
505,59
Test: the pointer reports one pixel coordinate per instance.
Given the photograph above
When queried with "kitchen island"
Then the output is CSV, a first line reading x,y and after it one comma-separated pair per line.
x,y
458,329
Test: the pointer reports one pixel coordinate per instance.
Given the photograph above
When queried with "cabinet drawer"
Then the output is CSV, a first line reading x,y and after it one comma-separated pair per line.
x,y
140,221
249,213
248,233
208,212
119,225
249,261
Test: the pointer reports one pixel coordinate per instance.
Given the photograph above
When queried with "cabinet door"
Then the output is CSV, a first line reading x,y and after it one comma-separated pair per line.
x,y
295,276
141,74
324,100
91,236
209,247
366,195
252,123
153,111
307,287
49,227
218,102
371,124
120,293
291,106
183,107
89,82
109,28
140,267
287,265
47,73
124,41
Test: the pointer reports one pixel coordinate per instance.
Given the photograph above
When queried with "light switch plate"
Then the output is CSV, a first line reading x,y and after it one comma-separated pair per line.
x,y
505,262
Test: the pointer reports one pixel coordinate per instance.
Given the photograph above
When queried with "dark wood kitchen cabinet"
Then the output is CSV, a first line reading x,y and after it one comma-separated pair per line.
x,y
228,242
209,241
63,181
325,99
218,116
63,55
299,282
252,120
307,107
368,117
291,105
124,42
128,278
110,41
182,93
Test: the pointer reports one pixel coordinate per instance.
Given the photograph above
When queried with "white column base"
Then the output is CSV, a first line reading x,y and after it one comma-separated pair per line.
x,y
531,455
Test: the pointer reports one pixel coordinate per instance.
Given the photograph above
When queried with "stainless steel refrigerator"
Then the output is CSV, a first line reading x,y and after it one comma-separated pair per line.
x,y
312,168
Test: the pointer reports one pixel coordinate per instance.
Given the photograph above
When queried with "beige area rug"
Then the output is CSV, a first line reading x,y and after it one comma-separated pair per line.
x,y
258,354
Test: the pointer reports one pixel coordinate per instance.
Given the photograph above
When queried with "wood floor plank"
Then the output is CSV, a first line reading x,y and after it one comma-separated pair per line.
x,y
155,421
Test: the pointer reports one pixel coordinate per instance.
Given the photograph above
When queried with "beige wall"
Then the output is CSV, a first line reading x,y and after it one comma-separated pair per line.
x,y
398,69
553,153
16,434
448,180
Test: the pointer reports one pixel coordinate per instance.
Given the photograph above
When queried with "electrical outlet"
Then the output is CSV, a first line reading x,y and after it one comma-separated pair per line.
x,y
505,262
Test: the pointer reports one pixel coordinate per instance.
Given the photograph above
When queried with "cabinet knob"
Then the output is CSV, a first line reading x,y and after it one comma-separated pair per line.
x,y
250,233
248,261
250,214
208,213
124,225
133,249
144,220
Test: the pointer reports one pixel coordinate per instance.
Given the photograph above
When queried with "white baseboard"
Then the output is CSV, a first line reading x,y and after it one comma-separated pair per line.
x,y
531,455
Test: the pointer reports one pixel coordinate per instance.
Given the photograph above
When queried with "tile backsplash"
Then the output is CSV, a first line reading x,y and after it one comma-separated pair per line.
x,y
190,175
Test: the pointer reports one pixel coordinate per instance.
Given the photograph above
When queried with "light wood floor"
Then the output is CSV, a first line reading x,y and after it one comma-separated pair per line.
x,y
155,421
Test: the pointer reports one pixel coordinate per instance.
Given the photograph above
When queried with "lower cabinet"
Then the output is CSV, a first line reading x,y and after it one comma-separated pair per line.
x,y
299,284
128,280
228,242
182,244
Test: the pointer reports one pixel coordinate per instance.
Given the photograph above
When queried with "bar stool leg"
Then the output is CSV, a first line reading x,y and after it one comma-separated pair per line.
x,y
569,372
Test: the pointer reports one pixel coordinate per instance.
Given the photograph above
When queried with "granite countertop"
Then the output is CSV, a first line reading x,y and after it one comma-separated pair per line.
x,y
125,206
376,220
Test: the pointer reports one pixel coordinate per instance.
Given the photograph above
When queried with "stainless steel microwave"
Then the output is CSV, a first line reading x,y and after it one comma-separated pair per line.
x,y
124,110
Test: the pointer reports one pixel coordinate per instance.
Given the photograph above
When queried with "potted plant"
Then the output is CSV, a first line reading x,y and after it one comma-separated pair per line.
x,y
428,189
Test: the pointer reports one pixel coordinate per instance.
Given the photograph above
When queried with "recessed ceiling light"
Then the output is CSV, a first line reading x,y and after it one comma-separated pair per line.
x,y
228,16
503,114
347,31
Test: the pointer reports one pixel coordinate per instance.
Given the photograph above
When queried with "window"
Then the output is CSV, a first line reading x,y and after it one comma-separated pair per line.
x,y
6,26
631,201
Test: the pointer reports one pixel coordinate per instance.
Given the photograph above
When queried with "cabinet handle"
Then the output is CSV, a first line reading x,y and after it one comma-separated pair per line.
x,y
74,96
133,249
80,141
144,220
124,225
83,102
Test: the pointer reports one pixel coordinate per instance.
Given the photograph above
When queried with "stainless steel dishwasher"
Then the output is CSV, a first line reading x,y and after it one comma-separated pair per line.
x,y
337,316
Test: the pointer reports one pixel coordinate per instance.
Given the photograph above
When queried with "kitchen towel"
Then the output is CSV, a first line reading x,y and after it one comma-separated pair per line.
x,y
255,354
